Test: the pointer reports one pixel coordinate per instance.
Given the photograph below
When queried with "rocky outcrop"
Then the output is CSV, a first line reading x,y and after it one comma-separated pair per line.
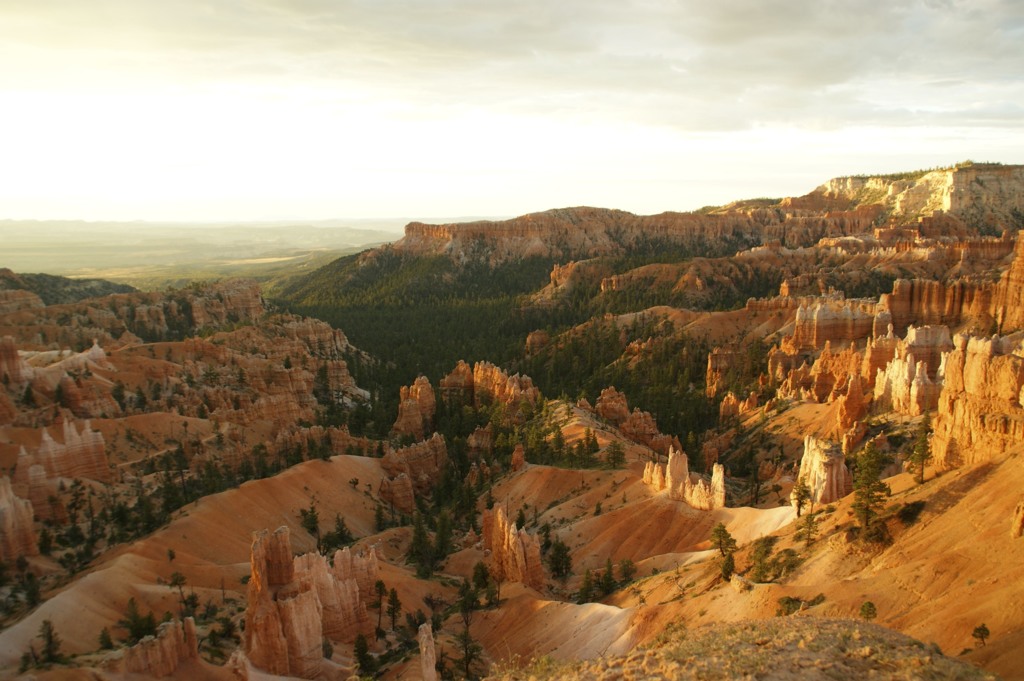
x,y
518,457
416,408
611,405
13,369
904,387
398,491
457,386
639,426
265,644
583,232
514,553
293,604
833,321
161,655
852,406
979,413
732,406
1017,523
80,455
1007,305
970,190
714,447
17,532
719,361
823,469
428,656
8,412
37,475
422,462
343,613
929,302
12,300
684,486
492,385
486,384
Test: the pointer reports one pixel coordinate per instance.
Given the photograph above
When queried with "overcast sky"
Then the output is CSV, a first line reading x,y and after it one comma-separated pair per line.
x,y
272,109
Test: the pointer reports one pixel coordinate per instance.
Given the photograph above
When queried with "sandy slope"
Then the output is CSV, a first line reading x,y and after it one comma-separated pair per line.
x,y
211,540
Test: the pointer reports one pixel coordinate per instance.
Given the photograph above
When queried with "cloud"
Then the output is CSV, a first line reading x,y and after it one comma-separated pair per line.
x,y
729,64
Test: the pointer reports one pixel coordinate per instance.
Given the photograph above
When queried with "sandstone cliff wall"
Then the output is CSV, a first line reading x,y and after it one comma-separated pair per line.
x,y
979,413
293,604
161,655
416,407
514,553
823,469
37,474
17,531
684,486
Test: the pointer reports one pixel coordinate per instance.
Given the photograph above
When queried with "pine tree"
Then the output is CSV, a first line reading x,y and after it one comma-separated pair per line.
x,y
310,521
470,652
586,592
981,633
367,664
394,607
615,455
801,495
807,529
627,570
50,653
722,540
921,453
420,551
607,578
559,559
759,557
381,589
728,566
442,538
869,492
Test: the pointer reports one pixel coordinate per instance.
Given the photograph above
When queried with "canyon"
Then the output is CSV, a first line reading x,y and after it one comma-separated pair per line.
x,y
288,502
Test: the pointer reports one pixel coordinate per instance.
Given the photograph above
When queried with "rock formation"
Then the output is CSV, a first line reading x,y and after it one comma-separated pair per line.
x,y
17,533
398,492
732,406
611,406
904,387
514,553
159,656
293,604
416,408
518,457
428,656
485,384
838,322
1017,523
719,361
80,455
8,412
12,300
823,469
979,412
852,406
423,462
637,425
13,369
684,486
1007,305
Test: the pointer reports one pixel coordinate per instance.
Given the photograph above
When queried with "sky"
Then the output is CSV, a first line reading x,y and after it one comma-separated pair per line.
x,y
318,109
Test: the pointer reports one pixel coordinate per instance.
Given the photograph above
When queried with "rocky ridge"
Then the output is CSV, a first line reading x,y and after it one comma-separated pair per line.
x,y
675,477
293,604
